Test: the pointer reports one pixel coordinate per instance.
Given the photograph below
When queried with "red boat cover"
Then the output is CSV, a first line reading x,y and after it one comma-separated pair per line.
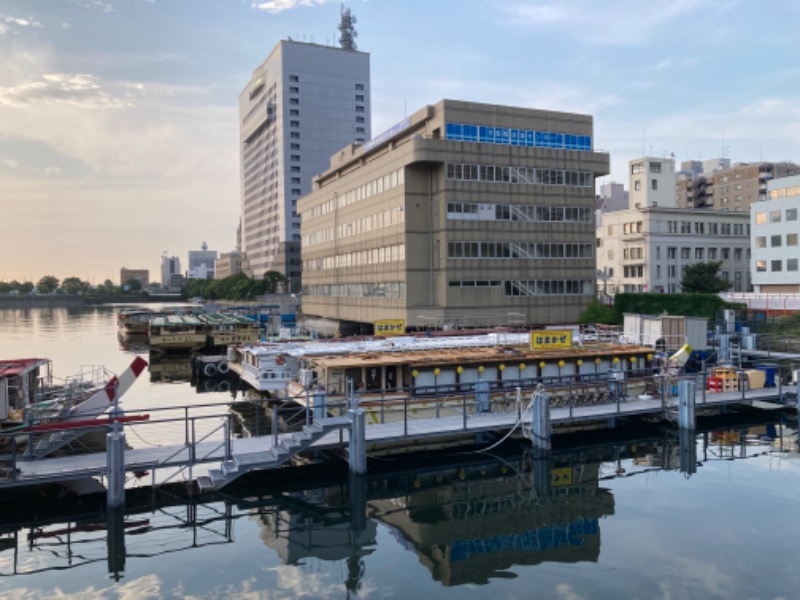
x,y
19,366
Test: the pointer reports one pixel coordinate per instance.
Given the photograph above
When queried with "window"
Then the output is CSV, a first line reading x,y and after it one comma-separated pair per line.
x,y
791,239
637,185
761,218
294,134
726,253
776,266
655,167
294,90
791,264
360,87
294,101
294,78
295,157
672,253
712,253
698,253
294,112
654,184
685,253
295,169
296,191
359,109
791,215
775,241
295,180
359,119
761,241
737,254
637,168
359,97
294,123
774,216
295,146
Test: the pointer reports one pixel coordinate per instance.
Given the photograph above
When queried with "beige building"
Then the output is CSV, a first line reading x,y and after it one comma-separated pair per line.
x,y
228,263
462,213
733,188
651,182
141,275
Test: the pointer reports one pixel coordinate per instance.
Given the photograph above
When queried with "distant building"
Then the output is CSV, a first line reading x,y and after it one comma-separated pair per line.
x,y
229,263
201,263
720,186
305,102
463,213
141,275
776,252
612,196
170,265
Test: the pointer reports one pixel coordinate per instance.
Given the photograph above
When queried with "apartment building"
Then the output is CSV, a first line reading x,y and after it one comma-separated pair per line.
x,y
651,182
775,230
463,213
301,105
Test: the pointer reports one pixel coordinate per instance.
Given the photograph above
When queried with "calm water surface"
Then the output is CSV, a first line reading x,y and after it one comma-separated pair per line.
x,y
614,521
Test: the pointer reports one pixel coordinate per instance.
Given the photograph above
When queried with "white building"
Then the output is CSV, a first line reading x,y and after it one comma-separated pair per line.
x,y
170,265
648,249
303,104
201,263
775,238
651,182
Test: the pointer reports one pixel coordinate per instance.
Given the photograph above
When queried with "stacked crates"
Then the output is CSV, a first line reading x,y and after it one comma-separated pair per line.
x,y
723,380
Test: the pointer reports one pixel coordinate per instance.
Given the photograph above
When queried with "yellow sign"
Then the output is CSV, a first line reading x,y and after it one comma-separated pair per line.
x,y
561,477
388,327
551,338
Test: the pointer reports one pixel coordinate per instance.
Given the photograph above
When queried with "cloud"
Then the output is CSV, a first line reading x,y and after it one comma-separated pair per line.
x,y
276,6
78,89
7,22
53,171
9,162
104,6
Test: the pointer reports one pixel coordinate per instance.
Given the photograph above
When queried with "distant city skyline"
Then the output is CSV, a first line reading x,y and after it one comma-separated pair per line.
x,y
118,118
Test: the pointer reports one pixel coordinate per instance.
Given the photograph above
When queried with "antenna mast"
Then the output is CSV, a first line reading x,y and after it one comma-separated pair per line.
x,y
347,27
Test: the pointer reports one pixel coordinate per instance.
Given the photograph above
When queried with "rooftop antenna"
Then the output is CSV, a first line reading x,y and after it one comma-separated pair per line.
x,y
347,27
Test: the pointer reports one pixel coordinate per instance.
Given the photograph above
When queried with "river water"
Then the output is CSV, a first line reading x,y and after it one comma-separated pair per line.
x,y
637,517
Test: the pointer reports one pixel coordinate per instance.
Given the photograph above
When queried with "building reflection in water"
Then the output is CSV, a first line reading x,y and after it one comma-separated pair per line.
x,y
468,522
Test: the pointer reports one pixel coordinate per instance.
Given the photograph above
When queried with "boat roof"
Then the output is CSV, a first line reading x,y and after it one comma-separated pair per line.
x,y
176,320
226,319
494,347
20,366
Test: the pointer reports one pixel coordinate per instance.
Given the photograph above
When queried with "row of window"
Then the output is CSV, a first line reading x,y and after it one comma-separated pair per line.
x,y
384,218
466,211
521,175
517,137
776,241
510,250
388,289
785,192
362,192
703,228
776,266
775,216
374,256
549,287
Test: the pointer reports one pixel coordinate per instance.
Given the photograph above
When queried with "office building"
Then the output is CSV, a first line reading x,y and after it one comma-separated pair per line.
x,y
776,252
462,214
140,275
651,182
304,103
228,263
201,263
170,265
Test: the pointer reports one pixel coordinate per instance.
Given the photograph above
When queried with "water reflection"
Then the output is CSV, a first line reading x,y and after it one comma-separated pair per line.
x,y
469,518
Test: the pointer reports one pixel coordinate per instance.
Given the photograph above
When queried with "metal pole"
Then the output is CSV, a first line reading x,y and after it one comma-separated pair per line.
x,y
358,445
518,398
686,400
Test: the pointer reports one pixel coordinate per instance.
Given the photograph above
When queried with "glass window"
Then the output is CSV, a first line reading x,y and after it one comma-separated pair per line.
x,y
791,264
761,218
761,265
791,239
791,214
775,241
774,216
777,265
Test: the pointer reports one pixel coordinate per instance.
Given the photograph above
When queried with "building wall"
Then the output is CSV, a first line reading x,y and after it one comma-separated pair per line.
x,y
302,104
433,242
142,275
648,250
651,182
229,263
775,232
170,265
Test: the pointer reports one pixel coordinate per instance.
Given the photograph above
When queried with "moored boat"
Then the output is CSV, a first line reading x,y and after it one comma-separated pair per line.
x,y
225,329
134,321
176,332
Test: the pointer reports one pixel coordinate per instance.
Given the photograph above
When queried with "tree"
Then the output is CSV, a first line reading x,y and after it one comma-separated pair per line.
x,y
597,312
274,279
74,285
703,278
47,284
26,287
133,285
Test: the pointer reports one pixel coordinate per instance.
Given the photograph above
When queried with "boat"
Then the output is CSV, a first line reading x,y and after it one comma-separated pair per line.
x,y
177,332
33,404
133,322
224,329
422,367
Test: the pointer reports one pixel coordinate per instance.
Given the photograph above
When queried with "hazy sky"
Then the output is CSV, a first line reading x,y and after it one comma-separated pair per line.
x,y
118,118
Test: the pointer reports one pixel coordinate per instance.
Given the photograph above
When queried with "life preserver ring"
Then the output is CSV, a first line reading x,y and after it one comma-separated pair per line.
x,y
210,385
210,369
280,360
223,368
224,386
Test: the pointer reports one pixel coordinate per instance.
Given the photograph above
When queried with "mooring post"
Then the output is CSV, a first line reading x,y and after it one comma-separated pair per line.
x,y
115,541
688,448
358,442
540,425
686,399
115,465
518,398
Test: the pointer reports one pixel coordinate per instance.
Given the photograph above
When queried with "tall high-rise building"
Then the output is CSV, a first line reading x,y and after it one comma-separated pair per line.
x,y
304,103
170,265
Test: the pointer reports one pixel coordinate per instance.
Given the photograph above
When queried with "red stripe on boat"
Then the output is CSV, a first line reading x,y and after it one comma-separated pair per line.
x,y
111,387
138,365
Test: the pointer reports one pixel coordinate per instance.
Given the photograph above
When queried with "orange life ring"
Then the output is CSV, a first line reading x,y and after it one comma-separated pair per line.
x,y
280,360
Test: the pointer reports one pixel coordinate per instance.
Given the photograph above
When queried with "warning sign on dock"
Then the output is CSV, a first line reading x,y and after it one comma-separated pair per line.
x,y
388,327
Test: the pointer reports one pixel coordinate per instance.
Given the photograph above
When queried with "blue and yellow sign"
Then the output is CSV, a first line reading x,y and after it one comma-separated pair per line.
x,y
551,338
561,477
388,327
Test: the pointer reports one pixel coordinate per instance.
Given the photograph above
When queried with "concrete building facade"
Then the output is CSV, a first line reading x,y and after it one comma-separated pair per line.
x,y
648,249
775,231
651,182
305,102
170,265
462,213
201,263
228,263
140,275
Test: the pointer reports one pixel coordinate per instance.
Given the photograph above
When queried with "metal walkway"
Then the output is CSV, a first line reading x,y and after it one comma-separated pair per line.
x,y
237,456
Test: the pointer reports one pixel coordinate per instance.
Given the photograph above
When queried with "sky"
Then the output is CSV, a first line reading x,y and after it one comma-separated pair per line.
x,y
119,118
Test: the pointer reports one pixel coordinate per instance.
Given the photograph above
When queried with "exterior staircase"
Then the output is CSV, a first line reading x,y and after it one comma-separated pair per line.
x,y
288,446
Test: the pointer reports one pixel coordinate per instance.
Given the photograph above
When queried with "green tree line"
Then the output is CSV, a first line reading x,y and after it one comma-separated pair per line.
x,y
235,287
